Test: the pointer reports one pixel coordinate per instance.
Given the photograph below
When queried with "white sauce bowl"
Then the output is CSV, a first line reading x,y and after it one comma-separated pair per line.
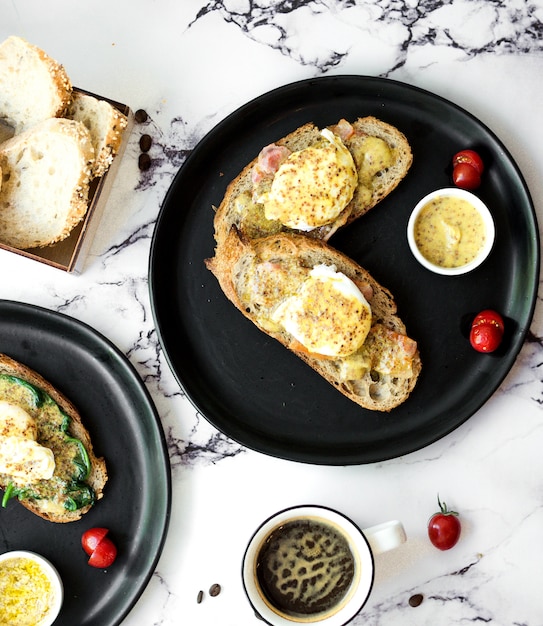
x,y
51,574
483,211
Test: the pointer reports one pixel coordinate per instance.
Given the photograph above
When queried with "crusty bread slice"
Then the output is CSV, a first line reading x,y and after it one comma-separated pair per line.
x,y
98,474
33,86
234,266
228,213
387,179
45,182
105,124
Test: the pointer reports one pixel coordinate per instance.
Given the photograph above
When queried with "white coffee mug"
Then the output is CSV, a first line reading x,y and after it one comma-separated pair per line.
x,y
313,565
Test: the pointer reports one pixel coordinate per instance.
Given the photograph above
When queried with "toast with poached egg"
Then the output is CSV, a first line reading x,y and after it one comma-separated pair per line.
x,y
326,309
46,455
315,181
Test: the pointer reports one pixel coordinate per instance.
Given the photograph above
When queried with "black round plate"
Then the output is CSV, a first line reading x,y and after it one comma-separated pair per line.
x,y
125,430
252,388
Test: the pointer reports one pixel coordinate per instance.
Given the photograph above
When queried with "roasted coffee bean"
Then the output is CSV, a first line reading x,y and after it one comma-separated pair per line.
x,y
144,161
214,590
200,596
145,143
416,600
140,116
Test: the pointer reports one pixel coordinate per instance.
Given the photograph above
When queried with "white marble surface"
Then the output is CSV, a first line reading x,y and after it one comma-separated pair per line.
x,y
189,64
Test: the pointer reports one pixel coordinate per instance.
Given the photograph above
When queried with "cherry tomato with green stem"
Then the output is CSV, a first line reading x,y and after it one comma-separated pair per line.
x,y
444,527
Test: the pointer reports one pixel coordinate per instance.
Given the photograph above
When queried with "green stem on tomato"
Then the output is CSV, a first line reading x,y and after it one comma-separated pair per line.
x,y
444,509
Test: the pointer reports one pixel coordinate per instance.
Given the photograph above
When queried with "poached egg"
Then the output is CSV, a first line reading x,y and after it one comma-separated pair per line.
x,y
312,186
329,315
21,456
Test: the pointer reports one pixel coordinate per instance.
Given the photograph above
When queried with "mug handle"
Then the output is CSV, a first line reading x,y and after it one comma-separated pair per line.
x,y
385,536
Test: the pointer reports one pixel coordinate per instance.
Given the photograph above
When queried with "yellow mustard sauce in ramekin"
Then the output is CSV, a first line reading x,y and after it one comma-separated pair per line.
x,y
30,590
451,231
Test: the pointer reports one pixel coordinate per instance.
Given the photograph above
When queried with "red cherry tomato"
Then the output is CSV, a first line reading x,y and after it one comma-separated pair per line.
x,y
489,316
91,538
104,555
470,157
444,528
467,169
486,331
466,177
101,549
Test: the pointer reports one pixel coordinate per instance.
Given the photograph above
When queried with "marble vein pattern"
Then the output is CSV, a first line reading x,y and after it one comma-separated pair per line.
x,y
461,27
346,28
443,45
500,28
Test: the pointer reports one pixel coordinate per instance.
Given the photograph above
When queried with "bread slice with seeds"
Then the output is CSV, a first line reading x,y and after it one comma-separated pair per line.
x,y
33,86
105,124
45,182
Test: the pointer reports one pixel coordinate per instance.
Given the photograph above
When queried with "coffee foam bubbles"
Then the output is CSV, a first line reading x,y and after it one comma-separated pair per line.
x,y
306,569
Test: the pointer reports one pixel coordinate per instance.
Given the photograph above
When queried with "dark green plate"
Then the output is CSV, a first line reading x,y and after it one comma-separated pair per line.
x,y
126,431
252,388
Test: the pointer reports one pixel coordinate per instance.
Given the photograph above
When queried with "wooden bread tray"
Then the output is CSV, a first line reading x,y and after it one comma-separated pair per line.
x,y
69,255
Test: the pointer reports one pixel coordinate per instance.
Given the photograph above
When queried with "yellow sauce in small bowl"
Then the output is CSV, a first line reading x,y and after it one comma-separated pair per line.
x,y
451,231
31,591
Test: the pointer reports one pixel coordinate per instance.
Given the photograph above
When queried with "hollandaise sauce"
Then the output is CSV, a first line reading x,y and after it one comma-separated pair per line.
x,y
251,217
65,487
449,232
372,155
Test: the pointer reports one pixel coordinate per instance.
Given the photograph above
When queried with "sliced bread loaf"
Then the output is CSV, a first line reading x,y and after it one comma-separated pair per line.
x,y
45,182
33,86
105,124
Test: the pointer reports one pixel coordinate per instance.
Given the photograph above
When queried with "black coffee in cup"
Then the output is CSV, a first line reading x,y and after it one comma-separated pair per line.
x,y
305,568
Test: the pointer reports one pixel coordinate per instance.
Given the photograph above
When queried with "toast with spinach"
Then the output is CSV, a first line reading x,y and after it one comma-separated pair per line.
x,y
47,459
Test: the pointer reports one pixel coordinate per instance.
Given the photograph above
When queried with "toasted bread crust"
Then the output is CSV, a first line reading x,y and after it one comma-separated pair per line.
x,y
227,214
237,252
106,126
390,178
98,475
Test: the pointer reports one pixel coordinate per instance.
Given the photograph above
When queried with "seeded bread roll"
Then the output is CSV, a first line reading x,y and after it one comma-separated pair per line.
x,y
98,473
33,86
375,181
258,275
45,182
105,124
